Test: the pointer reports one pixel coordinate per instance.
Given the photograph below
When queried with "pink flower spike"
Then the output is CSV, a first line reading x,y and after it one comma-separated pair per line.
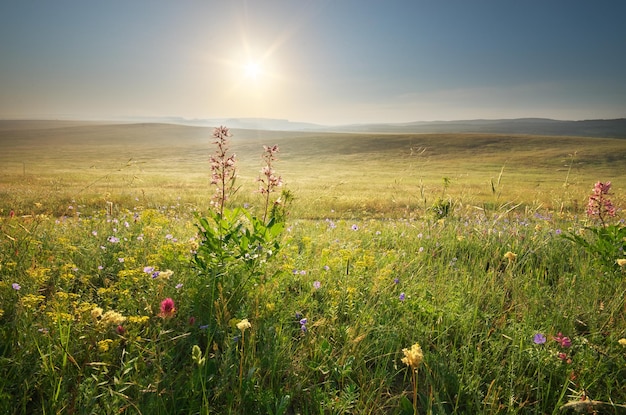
x,y
564,341
168,308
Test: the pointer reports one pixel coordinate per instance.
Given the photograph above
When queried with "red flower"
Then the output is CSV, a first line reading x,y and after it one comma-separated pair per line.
x,y
564,341
167,308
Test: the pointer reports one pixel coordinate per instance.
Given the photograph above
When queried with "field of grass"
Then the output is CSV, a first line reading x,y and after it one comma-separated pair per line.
x,y
112,300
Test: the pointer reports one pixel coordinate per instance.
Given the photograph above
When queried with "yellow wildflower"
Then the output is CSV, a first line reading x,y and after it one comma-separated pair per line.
x,y
621,262
31,300
138,319
622,342
243,325
103,345
96,313
510,256
414,356
112,318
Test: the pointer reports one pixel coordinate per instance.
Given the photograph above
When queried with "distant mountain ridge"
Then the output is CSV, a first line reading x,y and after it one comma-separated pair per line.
x,y
602,128
611,128
615,128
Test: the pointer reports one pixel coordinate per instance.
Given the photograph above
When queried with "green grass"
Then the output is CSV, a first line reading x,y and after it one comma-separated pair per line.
x,y
389,272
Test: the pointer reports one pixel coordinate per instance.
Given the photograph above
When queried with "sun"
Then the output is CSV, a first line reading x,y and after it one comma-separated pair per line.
x,y
252,70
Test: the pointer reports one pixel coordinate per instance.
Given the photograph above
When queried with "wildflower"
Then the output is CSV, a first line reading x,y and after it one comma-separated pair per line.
x,y
317,285
96,313
196,355
396,280
103,345
243,325
510,256
16,286
111,318
563,340
355,227
539,338
303,321
179,286
562,356
120,330
621,262
148,270
413,357
121,260
167,308
402,296
600,205
622,342
113,239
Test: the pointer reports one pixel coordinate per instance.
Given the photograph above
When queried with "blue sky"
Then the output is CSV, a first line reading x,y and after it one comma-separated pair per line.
x,y
322,61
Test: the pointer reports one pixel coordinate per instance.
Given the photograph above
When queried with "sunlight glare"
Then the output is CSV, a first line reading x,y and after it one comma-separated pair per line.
x,y
252,70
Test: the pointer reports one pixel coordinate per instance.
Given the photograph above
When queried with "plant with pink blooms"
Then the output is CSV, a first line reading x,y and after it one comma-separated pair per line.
x,y
608,241
600,206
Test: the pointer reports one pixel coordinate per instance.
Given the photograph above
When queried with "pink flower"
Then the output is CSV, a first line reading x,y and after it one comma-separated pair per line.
x,y
167,308
563,340
599,203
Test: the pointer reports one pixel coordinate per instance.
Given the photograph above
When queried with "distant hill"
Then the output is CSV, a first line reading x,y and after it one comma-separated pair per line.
x,y
615,128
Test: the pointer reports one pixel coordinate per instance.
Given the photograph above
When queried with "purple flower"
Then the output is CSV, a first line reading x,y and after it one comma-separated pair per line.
x,y
100,267
16,286
402,297
539,338
396,280
113,239
179,286
317,285
355,227
303,321
148,270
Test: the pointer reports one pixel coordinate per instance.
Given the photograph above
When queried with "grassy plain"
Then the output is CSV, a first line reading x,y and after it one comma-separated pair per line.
x,y
359,175
511,316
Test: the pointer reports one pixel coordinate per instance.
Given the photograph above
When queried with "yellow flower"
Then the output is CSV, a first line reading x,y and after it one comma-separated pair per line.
x,y
621,262
510,256
112,318
414,356
622,342
96,313
243,325
103,345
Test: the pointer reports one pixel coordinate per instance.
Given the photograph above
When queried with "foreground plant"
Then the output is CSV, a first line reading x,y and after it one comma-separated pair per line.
x,y
413,358
235,244
608,241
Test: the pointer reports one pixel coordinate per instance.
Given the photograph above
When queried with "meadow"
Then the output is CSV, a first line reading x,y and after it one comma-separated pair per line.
x,y
123,291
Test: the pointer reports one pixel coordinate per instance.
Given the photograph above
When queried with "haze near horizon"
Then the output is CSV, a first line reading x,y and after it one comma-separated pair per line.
x,y
326,62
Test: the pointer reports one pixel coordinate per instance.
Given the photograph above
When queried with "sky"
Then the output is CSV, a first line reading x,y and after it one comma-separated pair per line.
x,y
322,61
